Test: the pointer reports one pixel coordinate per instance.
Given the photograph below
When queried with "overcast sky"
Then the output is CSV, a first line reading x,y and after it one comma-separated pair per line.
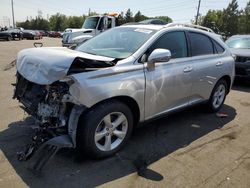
x,y
179,10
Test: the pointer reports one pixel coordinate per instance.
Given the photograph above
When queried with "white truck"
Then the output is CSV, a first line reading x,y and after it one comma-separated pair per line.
x,y
91,27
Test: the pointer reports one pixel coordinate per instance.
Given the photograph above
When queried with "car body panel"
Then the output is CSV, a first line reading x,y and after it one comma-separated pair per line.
x,y
242,58
5,35
47,65
124,79
167,87
156,92
207,70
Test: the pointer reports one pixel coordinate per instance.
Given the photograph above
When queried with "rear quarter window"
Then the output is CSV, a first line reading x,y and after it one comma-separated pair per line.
x,y
200,44
218,48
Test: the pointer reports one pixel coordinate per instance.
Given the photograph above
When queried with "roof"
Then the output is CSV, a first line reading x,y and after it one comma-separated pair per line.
x,y
144,26
170,25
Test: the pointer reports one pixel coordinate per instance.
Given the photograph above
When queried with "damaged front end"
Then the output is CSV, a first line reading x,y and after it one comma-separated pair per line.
x,y
44,78
56,113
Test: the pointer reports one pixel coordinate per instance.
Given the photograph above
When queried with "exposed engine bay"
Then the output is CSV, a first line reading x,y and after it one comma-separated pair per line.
x,y
43,102
50,105
43,88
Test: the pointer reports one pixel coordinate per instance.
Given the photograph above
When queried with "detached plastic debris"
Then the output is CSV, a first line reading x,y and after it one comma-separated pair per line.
x,y
221,115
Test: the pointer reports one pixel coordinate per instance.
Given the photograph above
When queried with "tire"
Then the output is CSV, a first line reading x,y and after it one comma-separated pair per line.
x,y
218,96
97,137
8,38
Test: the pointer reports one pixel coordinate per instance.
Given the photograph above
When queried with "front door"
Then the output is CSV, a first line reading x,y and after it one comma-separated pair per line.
x,y
168,86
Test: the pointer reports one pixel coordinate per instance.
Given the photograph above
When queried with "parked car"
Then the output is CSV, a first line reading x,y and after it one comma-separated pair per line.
x,y
54,34
240,47
29,34
43,33
94,96
16,33
5,35
153,21
38,34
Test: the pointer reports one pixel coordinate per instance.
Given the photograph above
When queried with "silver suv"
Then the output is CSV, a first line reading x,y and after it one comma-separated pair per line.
x,y
92,97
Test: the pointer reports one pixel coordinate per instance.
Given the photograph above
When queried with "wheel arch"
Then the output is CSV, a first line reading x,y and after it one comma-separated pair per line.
x,y
228,81
130,102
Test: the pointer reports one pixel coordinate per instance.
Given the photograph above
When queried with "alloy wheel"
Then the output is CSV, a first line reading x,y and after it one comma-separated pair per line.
x,y
111,131
219,96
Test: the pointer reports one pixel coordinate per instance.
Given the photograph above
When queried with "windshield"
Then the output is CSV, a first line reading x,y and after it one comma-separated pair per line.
x,y
120,42
90,23
239,42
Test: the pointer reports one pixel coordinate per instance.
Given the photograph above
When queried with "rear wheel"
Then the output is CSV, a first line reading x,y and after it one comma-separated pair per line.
x,y
218,96
105,129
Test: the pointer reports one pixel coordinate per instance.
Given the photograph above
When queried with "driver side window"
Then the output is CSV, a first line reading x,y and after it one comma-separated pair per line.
x,y
174,41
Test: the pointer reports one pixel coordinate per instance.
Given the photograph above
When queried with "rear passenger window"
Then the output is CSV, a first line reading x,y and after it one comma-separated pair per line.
x,y
200,44
218,48
174,41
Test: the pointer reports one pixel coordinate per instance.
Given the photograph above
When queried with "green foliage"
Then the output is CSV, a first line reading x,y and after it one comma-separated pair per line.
x,y
59,22
230,18
36,24
229,21
75,21
139,17
165,18
129,16
247,18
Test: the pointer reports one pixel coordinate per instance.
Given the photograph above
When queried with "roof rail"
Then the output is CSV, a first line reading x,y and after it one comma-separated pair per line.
x,y
190,25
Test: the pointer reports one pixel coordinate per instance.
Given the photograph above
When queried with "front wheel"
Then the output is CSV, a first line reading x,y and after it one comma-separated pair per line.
x,y
105,129
218,96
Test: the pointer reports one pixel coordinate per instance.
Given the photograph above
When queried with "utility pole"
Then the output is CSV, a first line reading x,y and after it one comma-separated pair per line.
x,y
198,12
14,25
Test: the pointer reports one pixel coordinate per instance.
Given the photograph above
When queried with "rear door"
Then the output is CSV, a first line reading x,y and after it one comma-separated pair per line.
x,y
207,63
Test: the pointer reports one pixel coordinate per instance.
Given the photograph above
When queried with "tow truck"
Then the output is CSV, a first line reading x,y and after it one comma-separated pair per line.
x,y
91,27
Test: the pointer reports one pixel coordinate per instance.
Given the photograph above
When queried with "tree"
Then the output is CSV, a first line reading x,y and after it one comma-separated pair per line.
x,y
75,21
25,24
230,18
35,24
129,16
120,19
58,22
139,17
213,20
165,18
247,18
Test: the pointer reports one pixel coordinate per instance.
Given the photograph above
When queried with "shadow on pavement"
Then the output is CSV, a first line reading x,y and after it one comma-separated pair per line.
x,y
241,85
148,144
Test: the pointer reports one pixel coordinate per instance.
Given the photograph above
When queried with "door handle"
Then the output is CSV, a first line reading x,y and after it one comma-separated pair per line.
x,y
187,69
219,63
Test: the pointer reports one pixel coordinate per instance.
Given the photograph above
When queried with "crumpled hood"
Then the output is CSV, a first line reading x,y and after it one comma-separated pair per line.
x,y
47,65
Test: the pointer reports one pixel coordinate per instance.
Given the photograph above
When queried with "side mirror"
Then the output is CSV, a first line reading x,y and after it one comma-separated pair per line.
x,y
157,56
